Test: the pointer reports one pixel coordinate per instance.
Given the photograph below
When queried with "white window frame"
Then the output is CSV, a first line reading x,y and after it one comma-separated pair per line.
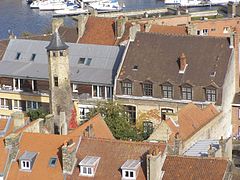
x,y
74,88
37,105
19,84
84,109
18,107
4,105
87,171
129,172
24,164
205,32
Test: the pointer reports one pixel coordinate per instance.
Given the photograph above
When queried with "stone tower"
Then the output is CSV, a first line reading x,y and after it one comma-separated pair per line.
x,y
59,83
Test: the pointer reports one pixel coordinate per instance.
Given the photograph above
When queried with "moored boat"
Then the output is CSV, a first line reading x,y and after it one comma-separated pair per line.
x,y
106,6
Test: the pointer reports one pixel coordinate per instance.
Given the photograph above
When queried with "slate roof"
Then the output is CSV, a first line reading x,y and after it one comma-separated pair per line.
x,y
161,52
105,60
56,43
191,168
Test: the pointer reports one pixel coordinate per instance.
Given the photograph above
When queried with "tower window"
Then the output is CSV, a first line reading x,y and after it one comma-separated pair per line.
x,y
33,57
18,56
55,81
61,53
54,54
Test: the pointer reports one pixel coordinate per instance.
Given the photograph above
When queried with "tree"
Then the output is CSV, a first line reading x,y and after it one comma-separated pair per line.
x,y
117,120
36,113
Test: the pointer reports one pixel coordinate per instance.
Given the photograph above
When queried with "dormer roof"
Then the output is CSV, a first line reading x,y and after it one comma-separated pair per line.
x,y
27,155
56,43
131,164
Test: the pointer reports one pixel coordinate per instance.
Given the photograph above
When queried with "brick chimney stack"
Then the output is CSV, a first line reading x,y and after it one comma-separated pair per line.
x,y
236,55
182,63
211,151
120,26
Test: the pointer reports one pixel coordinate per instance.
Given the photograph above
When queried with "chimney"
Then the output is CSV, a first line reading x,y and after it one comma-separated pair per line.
x,y
56,23
231,9
120,26
155,160
147,27
11,35
177,144
211,151
236,55
11,142
222,143
133,31
191,29
18,120
182,63
63,129
81,25
69,150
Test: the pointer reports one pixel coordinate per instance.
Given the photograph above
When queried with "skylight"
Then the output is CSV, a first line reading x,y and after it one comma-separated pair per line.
x,y
33,57
52,161
88,61
81,60
18,55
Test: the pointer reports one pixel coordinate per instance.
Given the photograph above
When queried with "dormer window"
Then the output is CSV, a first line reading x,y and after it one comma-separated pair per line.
x,y
26,161
18,55
167,90
33,57
130,169
211,94
147,88
187,92
127,87
88,166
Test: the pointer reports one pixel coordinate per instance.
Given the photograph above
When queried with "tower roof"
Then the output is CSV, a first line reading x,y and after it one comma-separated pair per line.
x,y
56,43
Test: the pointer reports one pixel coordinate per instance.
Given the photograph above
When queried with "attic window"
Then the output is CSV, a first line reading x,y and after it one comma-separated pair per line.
x,y
130,169
213,74
33,57
26,161
135,68
88,166
81,60
53,162
86,61
18,55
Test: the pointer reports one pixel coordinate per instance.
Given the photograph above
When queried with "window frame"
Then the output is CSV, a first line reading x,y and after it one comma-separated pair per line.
x,y
148,91
127,87
168,90
131,113
211,94
186,92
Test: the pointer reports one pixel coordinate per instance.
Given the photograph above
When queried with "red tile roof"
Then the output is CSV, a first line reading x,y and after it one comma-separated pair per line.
x,y
192,118
3,47
113,154
192,168
3,155
99,31
99,128
178,30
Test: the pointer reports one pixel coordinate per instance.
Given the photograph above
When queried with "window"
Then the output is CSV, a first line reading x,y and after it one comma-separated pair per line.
x,y
205,32
4,103
17,84
53,162
131,111
135,68
61,53
74,87
88,61
33,57
226,30
147,89
81,60
164,112
87,171
84,110
109,91
101,91
167,90
18,56
187,93
127,87
54,54
147,128
95,91
198,32
17,105
213,29
25,164
239,113
56,81
211,95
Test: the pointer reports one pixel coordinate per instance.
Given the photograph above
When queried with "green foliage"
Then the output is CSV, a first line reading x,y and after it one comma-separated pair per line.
x,y
36,113
117,120
25,34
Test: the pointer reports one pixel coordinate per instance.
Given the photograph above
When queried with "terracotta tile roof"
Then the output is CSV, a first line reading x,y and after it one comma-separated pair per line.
x,y
99,128
192,168
99,31
113,154
191,119
3,47
47,146
3,123
3,155
178,30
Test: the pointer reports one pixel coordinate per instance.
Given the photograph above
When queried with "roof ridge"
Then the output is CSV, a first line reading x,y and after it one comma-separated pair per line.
x,y
183,35
199,157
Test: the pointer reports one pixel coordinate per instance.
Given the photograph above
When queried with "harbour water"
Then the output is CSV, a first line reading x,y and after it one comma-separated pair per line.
x,y
16,15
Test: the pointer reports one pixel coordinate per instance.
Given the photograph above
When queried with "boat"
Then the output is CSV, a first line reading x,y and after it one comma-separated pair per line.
x,y
197,2
70,11
106,6
51,5
35,4
29,1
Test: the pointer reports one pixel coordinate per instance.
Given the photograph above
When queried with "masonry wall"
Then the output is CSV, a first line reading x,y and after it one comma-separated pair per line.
x,y
235,120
